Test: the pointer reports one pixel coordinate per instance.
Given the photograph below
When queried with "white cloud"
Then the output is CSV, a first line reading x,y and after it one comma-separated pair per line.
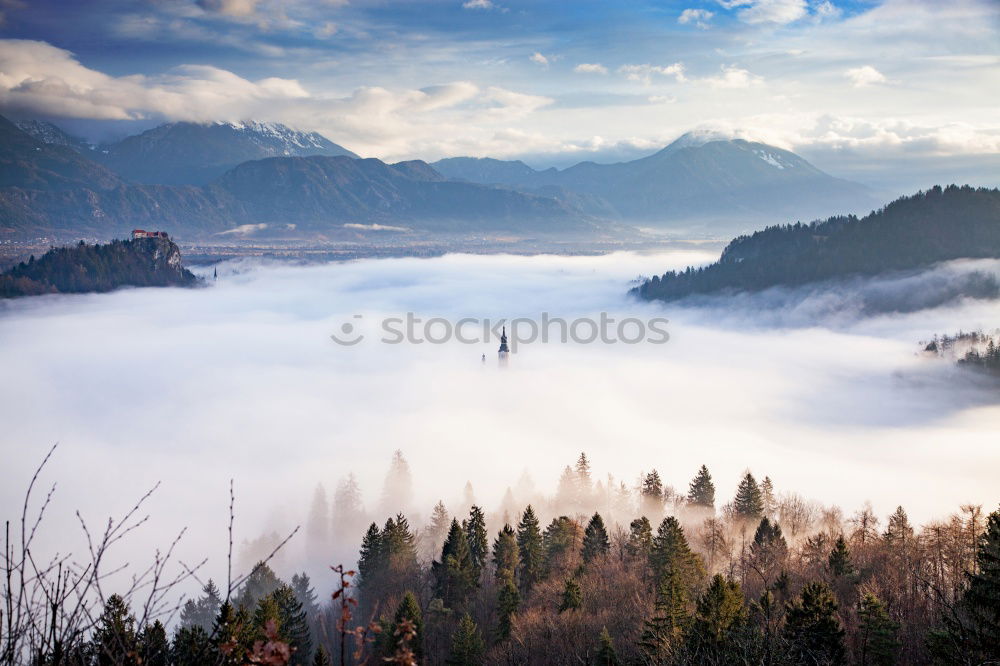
x,y
698,17
478,4
590,68
236,8
865,75
644,73
768,11
733,77
826,10
538,58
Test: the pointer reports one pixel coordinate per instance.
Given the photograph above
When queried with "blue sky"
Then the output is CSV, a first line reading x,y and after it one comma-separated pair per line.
x,y
871,90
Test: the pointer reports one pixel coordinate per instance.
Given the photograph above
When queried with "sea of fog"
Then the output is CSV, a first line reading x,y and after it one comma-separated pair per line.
x,y
241,380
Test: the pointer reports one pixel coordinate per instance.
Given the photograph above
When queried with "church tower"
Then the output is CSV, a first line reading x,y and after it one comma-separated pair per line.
x,y
504,351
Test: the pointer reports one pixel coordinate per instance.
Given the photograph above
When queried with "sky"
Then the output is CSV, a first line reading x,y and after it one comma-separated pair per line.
x,y
893,93
194,387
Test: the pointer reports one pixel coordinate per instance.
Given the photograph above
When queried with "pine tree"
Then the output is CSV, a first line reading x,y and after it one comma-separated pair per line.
x,y
371,562
479,545
640,538
530,549
769,503
701,492
671,553
400,554
397,493
438,528
839,561
749,503
467,646
878,644
898,531
812,627
583,485
559,539
293,622
318,525
348,509
454,574
261,582
606,655
508,601
202,612
306,596
409,609
191,647
505,554
572,597
322,657
595,539
154,649
651,494
663,633
719,613
566,490
115,642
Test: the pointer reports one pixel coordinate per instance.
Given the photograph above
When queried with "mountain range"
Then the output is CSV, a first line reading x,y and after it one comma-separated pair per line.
x,y
210,178
700,177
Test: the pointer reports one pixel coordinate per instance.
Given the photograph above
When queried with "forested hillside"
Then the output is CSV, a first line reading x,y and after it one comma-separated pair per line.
x,y
143,262
600,573
911,232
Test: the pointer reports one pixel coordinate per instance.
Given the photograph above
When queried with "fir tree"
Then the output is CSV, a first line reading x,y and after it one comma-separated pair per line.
x,y
454,574
467,646
409,609
878,644
640,538
508,601
812,627
663,633
898,530
530,549
651,494
293,623
505,554
749,504
371,562
115,642
261,582
322,657
191,647
154,649
701,492
572,597
719,614
595,539
479,545
318,525
671,553
839,561
202,612
348,509
769,502
559,540
606,655
397,493
438,529
583,485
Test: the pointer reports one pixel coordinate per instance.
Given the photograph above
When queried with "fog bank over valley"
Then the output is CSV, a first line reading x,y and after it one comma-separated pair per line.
x,y
821,389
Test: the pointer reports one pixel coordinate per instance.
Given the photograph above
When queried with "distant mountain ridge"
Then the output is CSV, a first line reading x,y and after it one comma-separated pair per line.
x,y
186,153
53,190
698,176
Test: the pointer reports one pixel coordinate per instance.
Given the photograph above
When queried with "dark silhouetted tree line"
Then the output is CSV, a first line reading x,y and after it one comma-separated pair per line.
x,y
919,230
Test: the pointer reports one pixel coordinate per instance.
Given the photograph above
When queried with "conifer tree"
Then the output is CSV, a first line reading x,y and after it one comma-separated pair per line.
x,y
572,597
671,553
566,491
454,574
769,502
719,613
293,623
191,646
878,644
322,657
839,561
595,539
508,601
348,509
318,525
606,655
640,538
505,554
261,582
399,554
202,612
409,609
583,485
530,549
663,633
115,640
701,492
812,627
154,649
651,494
397,493
749,503
438,528
898,530
559,539
371,562
467,646
479,545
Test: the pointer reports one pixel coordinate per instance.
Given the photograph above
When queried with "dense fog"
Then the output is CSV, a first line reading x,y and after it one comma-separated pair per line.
x,y
819,390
